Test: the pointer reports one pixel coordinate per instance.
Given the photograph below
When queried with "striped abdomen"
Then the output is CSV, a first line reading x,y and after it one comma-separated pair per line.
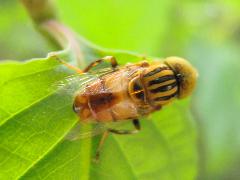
x,y
161,85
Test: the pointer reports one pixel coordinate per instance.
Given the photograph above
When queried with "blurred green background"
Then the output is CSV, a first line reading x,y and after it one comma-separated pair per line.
x,y
207,33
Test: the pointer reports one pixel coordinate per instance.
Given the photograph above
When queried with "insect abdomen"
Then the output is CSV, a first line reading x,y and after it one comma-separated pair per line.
x,y
106,100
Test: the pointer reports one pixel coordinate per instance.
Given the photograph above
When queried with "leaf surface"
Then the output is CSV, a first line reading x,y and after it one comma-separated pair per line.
x,y
34,121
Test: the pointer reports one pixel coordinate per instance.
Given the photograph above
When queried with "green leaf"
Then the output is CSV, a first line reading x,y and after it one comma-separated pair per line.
x,y
35,119
29,120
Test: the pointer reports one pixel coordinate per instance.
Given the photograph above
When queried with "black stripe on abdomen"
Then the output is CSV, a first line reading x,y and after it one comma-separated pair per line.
x,y
155,71
161,79
164,88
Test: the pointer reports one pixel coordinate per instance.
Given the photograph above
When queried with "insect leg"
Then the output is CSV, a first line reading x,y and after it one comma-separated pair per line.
x,y
136,124
112,60
69,65
100,145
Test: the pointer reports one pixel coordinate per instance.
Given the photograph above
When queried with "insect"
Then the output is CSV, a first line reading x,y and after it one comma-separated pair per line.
x,y
132,91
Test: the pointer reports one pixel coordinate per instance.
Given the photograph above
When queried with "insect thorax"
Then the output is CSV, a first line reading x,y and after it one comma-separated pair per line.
x,y
154,86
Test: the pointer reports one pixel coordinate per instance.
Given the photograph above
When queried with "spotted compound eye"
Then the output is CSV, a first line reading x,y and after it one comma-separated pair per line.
x,y
185,73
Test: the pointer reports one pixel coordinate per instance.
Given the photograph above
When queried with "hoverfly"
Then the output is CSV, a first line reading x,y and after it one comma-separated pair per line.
x,y
131,91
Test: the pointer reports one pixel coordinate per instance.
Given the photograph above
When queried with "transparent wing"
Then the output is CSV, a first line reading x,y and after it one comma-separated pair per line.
x,y
101,71
71,84
83,130
77,82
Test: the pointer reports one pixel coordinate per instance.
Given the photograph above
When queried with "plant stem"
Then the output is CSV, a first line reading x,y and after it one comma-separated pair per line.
x,y
40,10
64,37
44,15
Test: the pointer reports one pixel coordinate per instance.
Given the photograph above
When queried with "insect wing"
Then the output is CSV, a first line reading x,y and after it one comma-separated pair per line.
x,y
74,83
84,130
78,82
